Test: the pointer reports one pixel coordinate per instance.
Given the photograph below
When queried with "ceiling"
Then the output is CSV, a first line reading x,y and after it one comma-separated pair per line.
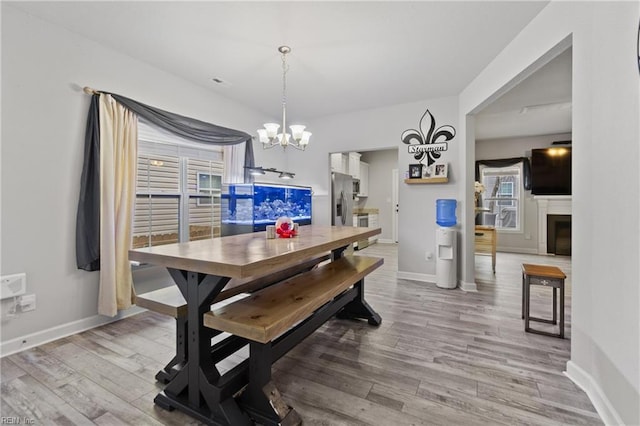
x,y
346,56
539,105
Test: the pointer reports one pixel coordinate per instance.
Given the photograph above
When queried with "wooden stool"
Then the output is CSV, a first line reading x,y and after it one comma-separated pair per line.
x,y
548,276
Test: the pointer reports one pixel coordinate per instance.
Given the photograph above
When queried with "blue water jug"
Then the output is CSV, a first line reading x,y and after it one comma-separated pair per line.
x,y
446,212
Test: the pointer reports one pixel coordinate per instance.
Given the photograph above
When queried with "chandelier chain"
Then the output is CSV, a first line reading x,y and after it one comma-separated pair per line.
x,y
285,68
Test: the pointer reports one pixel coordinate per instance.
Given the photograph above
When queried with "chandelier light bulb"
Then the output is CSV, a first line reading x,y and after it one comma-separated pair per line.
x,y
262,134
284,142
296,131
304,140
272,129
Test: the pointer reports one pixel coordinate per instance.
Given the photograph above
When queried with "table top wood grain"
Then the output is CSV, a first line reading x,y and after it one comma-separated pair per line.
x,y
542,271
247,255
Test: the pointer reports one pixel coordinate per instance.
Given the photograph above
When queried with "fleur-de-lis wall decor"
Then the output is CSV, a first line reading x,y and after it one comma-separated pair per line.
x,y
428,141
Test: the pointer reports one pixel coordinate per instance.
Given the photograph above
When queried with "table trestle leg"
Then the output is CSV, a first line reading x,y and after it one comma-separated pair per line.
x,y
197,388
358,308
261,398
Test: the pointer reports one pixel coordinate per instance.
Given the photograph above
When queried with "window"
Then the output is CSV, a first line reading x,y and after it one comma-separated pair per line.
x,y
178,190
210,184
502,197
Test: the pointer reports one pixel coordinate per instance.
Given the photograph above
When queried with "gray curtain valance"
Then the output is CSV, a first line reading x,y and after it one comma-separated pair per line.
x,y
505,162
88,214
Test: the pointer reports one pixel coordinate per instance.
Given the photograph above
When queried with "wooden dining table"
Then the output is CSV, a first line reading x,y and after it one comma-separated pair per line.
x,y
201,270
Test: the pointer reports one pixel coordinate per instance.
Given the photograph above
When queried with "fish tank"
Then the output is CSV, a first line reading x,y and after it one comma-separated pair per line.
x,y
250,207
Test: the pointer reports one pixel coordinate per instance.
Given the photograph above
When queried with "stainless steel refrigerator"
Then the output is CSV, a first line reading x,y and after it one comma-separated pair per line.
x,y
341,199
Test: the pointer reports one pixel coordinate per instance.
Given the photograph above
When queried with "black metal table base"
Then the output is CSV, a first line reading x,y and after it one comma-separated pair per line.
x,y
228,414
358,308
245,393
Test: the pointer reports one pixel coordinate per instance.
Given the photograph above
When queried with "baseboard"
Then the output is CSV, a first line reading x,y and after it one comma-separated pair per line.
x,y
599,400
469,287
413,276
427,278
29,341
385,241
519,250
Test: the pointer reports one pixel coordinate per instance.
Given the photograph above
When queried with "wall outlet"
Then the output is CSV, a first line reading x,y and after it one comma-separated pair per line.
x,y
13,285
428,255
27,303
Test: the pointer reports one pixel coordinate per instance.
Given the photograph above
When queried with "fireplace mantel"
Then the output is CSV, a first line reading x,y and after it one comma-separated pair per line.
x,y
549,204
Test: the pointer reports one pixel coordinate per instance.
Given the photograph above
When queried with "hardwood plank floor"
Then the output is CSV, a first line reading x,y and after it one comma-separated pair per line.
x,y
440,357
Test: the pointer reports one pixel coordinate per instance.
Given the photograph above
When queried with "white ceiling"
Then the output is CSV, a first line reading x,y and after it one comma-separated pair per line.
x,y
346,56
539,105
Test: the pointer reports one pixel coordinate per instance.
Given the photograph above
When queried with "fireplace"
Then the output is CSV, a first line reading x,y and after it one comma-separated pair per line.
x,y
560,241
559,234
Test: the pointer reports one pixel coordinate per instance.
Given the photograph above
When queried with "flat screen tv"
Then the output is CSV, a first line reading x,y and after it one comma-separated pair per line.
x,y
551,171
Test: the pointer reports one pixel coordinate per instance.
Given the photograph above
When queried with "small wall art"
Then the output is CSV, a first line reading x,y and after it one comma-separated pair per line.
x,y
427,171
415,171
429,141
440,170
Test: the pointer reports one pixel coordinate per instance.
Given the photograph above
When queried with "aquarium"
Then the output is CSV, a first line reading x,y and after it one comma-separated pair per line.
x,y
251,207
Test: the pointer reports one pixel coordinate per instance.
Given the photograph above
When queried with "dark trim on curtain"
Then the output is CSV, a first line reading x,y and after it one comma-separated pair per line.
x,y
190,128
88,216
505,162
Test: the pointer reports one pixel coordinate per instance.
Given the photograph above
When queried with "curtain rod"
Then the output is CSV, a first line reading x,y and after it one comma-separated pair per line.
x,y
90,91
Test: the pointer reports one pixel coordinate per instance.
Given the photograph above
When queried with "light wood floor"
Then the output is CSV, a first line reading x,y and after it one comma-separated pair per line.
x,y
440,357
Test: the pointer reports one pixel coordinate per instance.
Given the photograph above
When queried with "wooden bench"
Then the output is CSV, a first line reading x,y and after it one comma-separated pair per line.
x,y
169,301
278,317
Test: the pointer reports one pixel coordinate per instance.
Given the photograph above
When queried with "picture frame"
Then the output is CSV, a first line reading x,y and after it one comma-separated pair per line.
x,y
415,171
427,172
440,170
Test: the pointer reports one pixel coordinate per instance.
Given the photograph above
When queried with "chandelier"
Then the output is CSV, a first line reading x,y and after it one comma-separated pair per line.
x,y
269,136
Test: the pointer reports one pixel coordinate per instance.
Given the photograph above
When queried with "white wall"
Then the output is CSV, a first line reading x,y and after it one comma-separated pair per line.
x,y
381,128
488,149
43,119
605,325
381,163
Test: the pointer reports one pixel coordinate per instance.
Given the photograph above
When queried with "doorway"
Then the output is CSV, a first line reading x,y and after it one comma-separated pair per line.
x,y
532,113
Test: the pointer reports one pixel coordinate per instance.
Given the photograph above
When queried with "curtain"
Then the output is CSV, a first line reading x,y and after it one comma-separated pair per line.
x,y
193,129
120,113
234,171
118,160
88,214
504,162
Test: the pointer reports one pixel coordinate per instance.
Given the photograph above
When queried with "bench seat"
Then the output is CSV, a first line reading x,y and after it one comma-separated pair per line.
x,y
266,314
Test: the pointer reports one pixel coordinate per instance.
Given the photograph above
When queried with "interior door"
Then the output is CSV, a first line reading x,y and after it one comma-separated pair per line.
x,y
394,205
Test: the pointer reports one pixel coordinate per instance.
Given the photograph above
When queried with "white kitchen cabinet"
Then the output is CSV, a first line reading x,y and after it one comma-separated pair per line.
x,y
354,165
339,163
364,179
373,223
355,220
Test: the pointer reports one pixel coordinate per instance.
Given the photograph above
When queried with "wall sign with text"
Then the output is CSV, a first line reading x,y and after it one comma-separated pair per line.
x,y
429,141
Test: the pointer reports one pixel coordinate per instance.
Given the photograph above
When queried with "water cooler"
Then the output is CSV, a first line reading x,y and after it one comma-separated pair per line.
x,y
446,236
